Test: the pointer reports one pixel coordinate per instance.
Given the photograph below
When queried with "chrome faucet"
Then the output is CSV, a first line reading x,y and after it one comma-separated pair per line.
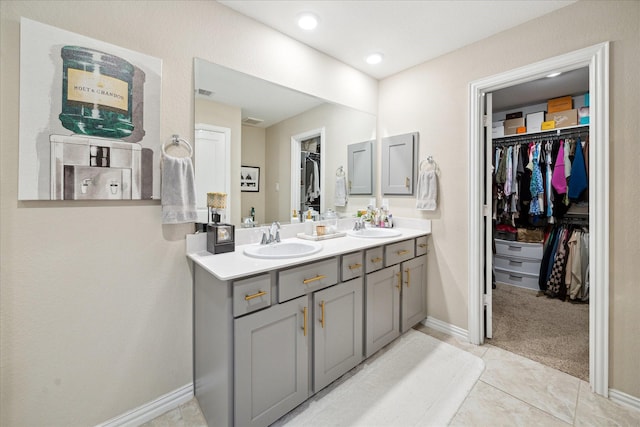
x,y
274,234
359,224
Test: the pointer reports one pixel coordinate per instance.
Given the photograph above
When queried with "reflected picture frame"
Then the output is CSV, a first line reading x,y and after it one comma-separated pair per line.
x,y
250,179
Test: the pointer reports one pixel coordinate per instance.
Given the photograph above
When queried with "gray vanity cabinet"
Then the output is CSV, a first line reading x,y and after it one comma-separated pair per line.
x,y
414,292
271,363
382,308
337,331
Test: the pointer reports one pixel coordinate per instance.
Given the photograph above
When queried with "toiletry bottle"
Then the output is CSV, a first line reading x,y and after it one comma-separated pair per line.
x,y
308,224
294,216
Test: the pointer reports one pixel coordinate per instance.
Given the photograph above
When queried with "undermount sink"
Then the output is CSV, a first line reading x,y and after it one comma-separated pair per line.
x,y
374,233
283,250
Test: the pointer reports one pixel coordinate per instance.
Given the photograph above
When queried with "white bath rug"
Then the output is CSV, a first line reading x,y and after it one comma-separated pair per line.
x,y
415,381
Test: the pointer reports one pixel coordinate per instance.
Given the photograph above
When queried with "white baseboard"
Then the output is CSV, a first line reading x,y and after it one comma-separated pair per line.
x,y
152,409
624,399
446,328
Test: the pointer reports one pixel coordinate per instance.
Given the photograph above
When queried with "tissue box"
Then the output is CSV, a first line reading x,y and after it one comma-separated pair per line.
x,y
564,118
220,238
583,115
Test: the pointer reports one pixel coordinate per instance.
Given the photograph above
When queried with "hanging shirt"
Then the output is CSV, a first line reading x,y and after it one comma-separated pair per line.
x,y
549,174
559,180
536,186
578,180
509,171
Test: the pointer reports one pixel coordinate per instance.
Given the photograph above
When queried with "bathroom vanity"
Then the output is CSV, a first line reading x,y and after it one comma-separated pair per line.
x,y
270,333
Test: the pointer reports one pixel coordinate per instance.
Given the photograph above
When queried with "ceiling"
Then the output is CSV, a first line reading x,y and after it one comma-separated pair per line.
x,y
407,33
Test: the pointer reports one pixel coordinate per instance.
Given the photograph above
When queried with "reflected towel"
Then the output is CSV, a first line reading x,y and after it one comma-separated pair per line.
x,y
178,191
427,191
340,198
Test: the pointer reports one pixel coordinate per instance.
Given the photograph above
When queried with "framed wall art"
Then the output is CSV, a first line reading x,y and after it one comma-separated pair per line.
x,y
89,118
250,178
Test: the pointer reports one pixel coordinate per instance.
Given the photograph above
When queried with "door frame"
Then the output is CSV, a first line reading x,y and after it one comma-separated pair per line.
x,y
597,59
296,141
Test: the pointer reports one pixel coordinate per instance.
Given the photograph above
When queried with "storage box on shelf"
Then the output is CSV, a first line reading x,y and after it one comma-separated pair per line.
x,y
518,263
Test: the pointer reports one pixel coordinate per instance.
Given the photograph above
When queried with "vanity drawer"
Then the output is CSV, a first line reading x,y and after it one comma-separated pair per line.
x,y
297,281
398,252
352,266
515,278
373,259
421,245
519,249
251,294
521,265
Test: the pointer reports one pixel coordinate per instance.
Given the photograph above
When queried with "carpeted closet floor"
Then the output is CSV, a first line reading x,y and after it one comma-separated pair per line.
x,y
550,331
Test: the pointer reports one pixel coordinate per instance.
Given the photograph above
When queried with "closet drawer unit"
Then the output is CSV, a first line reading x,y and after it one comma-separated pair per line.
x,y
421,245
396,253
352,266
251,294
519,249
520,265
515,278
297,281
373,259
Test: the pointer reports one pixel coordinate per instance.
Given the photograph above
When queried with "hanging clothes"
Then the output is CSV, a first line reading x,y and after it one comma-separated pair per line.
x,y
559,180
578,181
537,188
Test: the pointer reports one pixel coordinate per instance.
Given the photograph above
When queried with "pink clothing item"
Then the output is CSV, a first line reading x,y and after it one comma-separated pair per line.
x,y
559,180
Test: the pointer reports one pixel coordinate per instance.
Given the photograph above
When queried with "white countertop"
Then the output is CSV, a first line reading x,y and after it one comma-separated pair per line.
x,y
233,265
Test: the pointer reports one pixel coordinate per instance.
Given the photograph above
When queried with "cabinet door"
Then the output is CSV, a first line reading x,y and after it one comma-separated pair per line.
x,y
360,166
383,308
271,362
337,331
399,163
414,292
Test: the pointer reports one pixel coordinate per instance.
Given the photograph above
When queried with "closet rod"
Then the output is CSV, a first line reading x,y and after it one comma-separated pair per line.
x,y
542,136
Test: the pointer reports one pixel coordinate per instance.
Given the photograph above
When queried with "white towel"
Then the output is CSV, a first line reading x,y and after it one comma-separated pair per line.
x,y
178,190
340,196
427,191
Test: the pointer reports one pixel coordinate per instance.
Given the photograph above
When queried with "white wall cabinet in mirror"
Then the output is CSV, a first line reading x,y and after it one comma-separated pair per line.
x,y
399,163
360,167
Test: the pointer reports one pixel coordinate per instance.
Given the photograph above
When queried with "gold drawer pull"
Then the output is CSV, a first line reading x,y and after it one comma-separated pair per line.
x,y
399,285
354,266
403,252
376,260
408,273
304,321
313,279
256,295
422,245
322,318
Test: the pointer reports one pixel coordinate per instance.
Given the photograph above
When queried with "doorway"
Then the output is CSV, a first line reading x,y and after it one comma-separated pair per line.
x,y
596,58
307,171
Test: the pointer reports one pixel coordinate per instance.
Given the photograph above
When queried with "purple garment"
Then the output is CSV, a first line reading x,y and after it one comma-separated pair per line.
x,y
559,179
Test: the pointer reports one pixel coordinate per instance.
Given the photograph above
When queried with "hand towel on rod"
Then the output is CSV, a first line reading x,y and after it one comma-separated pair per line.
x,y
178,190
340,198
427,190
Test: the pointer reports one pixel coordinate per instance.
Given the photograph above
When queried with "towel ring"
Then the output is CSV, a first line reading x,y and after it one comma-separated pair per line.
x,y
431,163
340,171
176,140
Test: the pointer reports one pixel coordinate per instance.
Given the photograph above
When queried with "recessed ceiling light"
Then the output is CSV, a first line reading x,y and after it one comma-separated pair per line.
x,y
554,74
307,21
374,58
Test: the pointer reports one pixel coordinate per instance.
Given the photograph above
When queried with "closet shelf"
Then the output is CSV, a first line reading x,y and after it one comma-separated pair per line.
x,y
543,133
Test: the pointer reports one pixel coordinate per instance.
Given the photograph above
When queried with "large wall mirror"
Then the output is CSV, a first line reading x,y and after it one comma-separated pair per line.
x,y
283,147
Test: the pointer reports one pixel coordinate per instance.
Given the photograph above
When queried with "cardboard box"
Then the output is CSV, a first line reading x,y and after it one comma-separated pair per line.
x,y
548,125
511,126
516,115
534,121
497,132
564,118
521,129
559,104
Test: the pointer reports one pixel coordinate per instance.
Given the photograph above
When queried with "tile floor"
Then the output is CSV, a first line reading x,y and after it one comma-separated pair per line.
x,y
512,391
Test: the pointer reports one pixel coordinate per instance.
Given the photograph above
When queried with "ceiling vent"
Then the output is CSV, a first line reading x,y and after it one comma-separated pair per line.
x,y
204,92
251,121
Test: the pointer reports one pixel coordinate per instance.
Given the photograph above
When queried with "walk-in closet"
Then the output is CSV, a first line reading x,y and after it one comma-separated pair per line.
x,y
310,191
540,210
